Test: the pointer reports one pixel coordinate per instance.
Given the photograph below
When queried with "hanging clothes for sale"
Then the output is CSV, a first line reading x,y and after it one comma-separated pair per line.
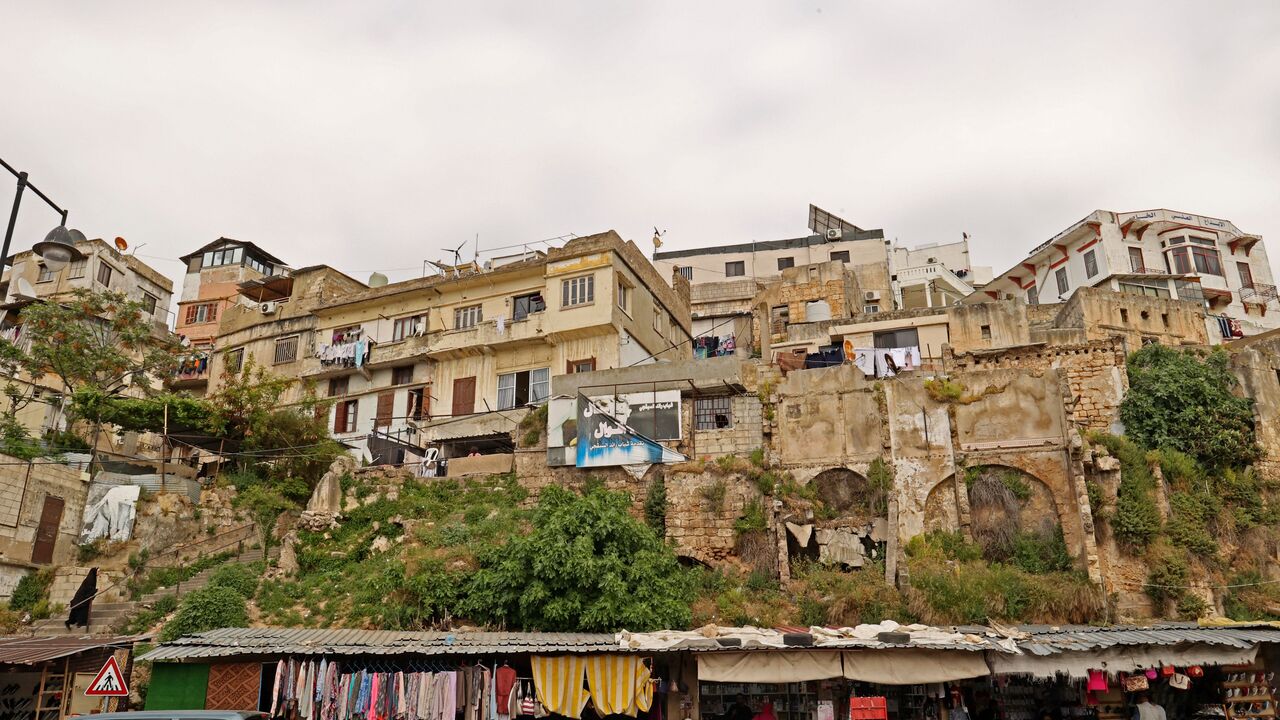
x,y
559,682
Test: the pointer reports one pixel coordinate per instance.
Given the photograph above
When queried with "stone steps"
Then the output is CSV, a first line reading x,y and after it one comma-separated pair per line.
x,y
200,579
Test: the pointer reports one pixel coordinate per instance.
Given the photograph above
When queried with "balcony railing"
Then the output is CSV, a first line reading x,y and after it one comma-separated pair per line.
x,y
1259,293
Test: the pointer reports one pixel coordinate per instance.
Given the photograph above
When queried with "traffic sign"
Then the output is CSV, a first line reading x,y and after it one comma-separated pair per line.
x,y
109,681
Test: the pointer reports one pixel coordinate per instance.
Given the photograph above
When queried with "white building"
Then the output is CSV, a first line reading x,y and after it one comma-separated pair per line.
x,y
1162,253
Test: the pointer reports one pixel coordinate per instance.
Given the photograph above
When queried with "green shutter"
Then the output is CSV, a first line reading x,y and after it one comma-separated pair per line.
x,y
177,686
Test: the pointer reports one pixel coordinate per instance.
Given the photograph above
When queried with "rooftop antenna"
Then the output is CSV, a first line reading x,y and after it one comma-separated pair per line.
x,y
475,257
457,258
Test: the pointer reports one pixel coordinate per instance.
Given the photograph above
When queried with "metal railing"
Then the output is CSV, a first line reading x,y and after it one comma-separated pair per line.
x,y
1260,292
207,546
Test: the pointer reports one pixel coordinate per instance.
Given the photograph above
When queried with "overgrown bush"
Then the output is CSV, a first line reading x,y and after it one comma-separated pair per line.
x,y
238,576
207,609
655,504
713,495
1185,400
752,518
1137,519
31,589
1167,576
1041,553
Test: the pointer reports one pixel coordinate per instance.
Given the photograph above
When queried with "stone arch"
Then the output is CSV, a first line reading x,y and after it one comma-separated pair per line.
x,y
941,508
848,493
1004,501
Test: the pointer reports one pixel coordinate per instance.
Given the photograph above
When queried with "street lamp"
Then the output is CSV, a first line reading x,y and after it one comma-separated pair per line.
x,y
58,247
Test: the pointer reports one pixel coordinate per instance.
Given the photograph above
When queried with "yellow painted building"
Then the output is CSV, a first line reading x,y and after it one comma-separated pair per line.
x,y
457,358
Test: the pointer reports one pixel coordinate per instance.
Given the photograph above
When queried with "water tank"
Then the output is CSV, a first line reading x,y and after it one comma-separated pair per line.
x,y
817,310
377,280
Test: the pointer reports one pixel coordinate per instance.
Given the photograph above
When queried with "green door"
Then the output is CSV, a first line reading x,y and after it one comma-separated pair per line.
x,y
177,686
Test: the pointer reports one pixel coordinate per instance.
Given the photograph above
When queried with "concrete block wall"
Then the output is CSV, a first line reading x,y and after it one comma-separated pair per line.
x,y
31,483
746,435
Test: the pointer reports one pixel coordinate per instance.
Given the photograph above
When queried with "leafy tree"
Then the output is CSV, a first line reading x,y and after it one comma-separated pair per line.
x,y
587,565
207,609
1184,400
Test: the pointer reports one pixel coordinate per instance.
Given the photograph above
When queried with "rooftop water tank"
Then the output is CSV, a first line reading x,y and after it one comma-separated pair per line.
x,y
817,310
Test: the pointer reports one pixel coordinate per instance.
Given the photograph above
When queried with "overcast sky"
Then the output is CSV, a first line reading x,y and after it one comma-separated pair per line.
x,y
371,135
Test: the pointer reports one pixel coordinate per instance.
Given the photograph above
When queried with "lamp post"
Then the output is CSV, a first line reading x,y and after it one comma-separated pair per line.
x,y
58,247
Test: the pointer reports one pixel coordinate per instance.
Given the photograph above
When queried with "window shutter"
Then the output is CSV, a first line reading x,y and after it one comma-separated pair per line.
x,y
386,405
340,417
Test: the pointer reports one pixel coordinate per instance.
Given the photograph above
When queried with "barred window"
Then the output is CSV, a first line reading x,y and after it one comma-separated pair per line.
x,y
714,413
235,360
286,349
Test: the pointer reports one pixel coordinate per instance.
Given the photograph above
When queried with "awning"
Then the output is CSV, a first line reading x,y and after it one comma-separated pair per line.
x,y
1120,659
914,667
769,667
498,423
34,649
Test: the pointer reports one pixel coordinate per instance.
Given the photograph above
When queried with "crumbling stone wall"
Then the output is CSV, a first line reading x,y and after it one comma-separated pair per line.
x,y
1095,374
830,281
1256,362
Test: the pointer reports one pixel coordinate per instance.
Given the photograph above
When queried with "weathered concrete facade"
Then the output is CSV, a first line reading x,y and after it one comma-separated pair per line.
x,y
28,493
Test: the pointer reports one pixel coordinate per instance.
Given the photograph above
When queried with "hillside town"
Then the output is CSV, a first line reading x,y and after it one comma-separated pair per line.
x,y
827,476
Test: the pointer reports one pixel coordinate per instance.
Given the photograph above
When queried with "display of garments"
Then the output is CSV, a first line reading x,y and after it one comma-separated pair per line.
x,y
558,681
504,679
862,358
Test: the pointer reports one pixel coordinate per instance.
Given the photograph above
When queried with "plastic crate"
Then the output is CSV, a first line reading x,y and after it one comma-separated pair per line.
x,y
868,708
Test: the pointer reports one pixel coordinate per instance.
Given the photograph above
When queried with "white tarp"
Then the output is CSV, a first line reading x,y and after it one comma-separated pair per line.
x,y
913,667
109,512
768,667
1121,659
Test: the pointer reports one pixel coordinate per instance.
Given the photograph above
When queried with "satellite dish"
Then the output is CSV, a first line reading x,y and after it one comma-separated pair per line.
x,y
377,280
121,245
24,290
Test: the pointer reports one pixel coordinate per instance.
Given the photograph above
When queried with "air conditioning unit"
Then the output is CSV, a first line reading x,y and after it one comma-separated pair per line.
x,y
871,296
268,308
834,233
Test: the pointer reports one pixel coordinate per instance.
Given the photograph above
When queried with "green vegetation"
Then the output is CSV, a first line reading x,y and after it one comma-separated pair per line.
x,y
1184,400
264,505
752,519
145,620
1137,519
951,585
832,597
655,505
471,553
32,593
157,578
713,495
1168,575
531,427
240,577
206,609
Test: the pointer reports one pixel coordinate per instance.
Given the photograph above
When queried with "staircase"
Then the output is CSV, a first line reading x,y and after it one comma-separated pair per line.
x,y
104,618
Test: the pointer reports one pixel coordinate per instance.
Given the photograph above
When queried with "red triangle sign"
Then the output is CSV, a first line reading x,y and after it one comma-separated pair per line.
x,y
109,681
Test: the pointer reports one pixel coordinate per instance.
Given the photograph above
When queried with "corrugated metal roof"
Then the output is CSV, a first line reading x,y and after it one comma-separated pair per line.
x,y
32,649
1050,640
309,641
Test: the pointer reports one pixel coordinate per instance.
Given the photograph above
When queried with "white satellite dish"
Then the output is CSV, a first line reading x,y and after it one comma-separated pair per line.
x,y
24,290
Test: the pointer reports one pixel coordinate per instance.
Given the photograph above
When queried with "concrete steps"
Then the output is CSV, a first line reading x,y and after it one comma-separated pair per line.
x,y
200,579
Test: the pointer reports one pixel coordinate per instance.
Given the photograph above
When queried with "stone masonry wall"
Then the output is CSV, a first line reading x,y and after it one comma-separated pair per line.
x,y
1095,373
746,434
23,488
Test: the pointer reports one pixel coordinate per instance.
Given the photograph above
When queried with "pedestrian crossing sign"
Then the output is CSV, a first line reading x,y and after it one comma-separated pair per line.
x,y
109,682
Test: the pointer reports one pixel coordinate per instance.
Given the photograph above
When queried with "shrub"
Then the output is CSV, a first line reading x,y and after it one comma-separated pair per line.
x,y
237,576
1167,575
757,457
752,518
1189,518
655,504
713,494
1042,553
1137,519
207,609
31,589
1185,400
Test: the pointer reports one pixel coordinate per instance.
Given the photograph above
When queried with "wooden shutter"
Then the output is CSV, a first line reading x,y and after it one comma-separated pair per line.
x,y
340,417
47,530
464,396
386,405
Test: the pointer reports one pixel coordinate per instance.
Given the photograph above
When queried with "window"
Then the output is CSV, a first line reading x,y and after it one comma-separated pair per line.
x,y
779,317
1033,295
841,255
1148,290
224,256
659,320
405,327
78,268
581,366
523,388
906,337
1136,263
203,313
870,309
1164,319
263,267
1176,261
1203,241
1061,277
466,317
46,275
1090,264
624,294
525,305
1246,274
104,274
737,268
149,303
786,262
417,409
1124,316
339,386
344,416
1177,240
686,272
402,375
286,349
578,291
713,413
1206,260
986,332
235,360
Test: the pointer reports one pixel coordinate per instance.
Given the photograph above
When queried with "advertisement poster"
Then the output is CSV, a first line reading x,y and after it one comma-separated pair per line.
x,y
655,415
603,441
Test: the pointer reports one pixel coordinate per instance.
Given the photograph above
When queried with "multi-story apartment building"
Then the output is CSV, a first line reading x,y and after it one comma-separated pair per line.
x,y
454,360
209,288
1159,253
273,324
103,267
727,280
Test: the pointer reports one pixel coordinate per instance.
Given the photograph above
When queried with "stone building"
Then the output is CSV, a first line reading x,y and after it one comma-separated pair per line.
x,y
41,507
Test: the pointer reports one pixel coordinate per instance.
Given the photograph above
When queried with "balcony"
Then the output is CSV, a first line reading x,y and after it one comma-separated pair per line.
x,y
916,283
483,337
1259,294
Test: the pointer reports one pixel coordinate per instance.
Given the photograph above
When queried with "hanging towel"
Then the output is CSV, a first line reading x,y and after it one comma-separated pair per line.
x,y
558,682
612,680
